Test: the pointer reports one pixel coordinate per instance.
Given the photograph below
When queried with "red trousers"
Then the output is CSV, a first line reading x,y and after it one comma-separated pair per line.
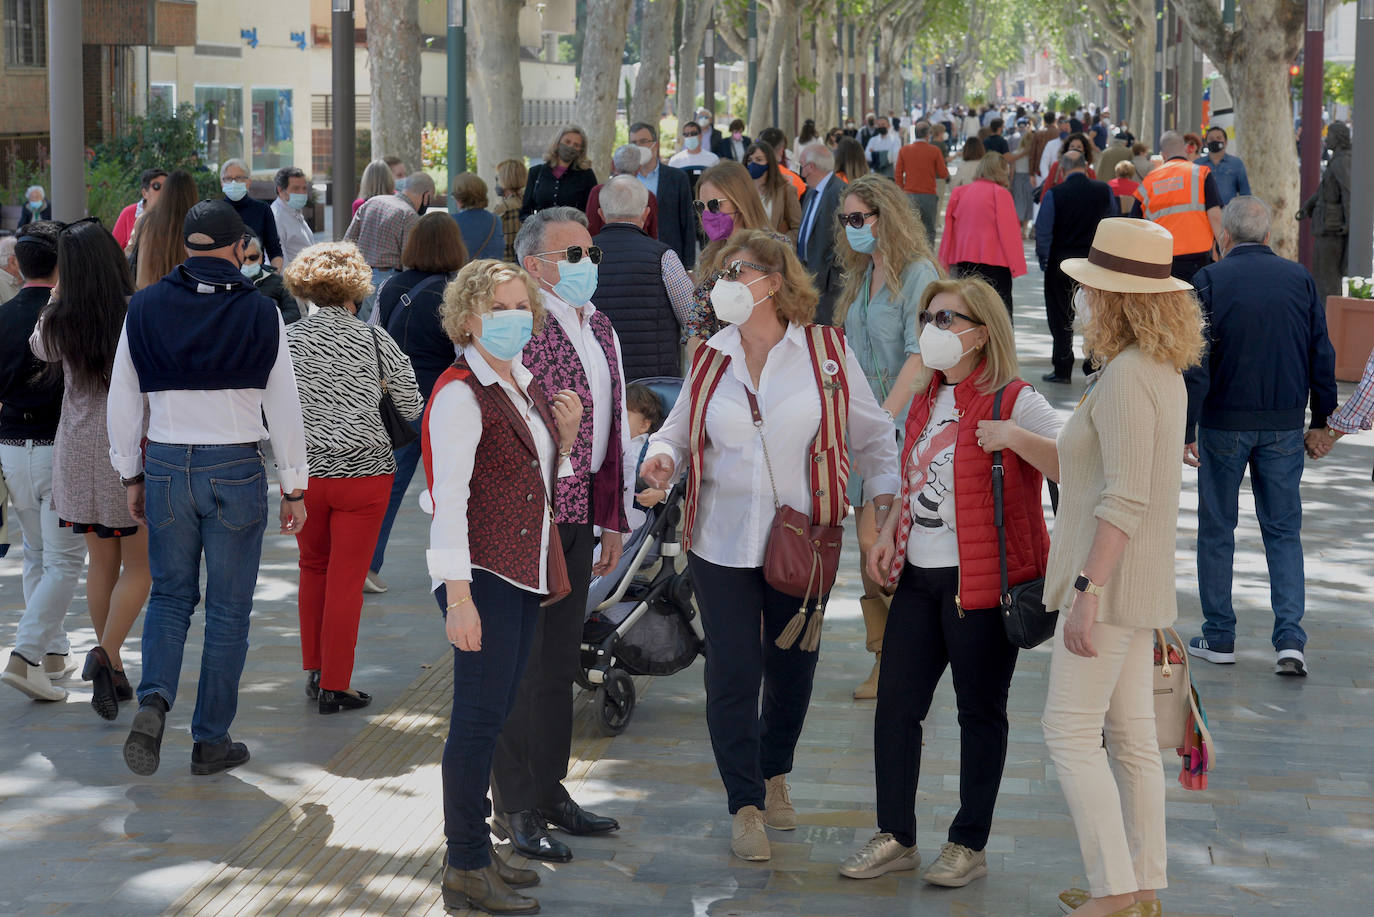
x,y
343,517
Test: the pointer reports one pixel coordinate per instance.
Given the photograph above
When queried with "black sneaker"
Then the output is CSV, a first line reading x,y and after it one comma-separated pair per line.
x,y
1291,662
213,757
143,747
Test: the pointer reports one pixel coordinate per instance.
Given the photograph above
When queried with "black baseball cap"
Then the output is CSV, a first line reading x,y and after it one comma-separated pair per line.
x,y
210,225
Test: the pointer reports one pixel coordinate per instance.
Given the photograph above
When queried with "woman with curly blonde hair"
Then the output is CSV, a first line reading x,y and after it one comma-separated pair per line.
x,y
1111,562
767,357
494,443
565,177
728,204
882,248
342,368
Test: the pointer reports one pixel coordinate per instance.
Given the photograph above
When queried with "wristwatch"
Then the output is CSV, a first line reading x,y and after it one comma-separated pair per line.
x,y
1083,584
1332,433
130,482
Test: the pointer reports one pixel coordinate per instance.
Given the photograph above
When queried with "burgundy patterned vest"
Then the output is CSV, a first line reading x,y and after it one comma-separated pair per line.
x,y
508,497
583,497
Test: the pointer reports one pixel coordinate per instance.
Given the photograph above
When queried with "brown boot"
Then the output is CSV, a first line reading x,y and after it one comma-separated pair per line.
x,y
513,876
483,890
875,623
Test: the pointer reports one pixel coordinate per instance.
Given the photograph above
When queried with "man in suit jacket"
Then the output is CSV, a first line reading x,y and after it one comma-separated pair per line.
x,y
816,239
1064,228
733,144
677,219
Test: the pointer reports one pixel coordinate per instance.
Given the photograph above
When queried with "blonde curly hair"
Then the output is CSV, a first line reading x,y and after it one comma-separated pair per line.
x,y
901,239
1166,326
795,301
329,274
473,291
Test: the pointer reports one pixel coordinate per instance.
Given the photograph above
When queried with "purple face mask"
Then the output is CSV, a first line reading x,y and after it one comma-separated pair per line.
x,y
717,225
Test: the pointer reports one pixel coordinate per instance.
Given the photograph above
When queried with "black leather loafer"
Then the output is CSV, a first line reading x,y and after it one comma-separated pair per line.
x,y
143,747
334,701
312,684
211,758
574,819
529,835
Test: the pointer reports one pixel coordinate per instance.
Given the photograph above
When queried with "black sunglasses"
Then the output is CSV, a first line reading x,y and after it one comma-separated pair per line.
x,y
573,253
943,318
732,271
856,219
713,205
155,185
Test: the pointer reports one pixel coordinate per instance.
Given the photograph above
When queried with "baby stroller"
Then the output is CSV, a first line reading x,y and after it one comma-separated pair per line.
x,y
641,618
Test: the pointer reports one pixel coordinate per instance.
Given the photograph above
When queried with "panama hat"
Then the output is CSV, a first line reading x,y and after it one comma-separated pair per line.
x,y
1128,256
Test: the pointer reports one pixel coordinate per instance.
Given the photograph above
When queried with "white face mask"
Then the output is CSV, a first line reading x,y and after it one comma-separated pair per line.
x,y
646,155
733,300
941,348
1081,309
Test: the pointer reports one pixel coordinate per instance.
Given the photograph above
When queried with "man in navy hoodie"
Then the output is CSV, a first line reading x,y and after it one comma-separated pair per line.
x,y
210,353
1267,356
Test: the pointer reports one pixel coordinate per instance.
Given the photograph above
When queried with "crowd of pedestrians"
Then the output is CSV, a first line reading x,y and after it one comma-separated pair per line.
x,y
841,346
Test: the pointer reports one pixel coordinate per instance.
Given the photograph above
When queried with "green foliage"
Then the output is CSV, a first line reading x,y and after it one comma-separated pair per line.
x,y
1338,83
23,174
433,147
1360,287
163,140
1071,101
629,95
109,189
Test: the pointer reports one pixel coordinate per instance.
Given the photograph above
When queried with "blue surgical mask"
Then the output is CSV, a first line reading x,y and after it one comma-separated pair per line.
x,y
505,333
36,206
251,269
400,185
756,169
576,282
297,201
861,239
235,190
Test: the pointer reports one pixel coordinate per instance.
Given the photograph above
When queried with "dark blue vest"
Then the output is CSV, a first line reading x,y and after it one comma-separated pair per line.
x,y
631,293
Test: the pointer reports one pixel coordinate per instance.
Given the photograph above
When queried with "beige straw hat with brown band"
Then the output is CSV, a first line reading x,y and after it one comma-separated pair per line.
x,y
1128,256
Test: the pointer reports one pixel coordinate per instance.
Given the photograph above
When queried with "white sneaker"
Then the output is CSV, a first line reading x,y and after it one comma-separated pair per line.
x,y
31,680
374,583
1291,662
882,854
58,665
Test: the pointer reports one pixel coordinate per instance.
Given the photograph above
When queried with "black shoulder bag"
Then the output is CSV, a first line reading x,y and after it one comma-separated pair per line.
x,y
1024,617
397,428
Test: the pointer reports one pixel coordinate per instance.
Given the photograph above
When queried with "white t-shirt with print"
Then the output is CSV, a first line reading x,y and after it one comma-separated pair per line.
x,y
933,541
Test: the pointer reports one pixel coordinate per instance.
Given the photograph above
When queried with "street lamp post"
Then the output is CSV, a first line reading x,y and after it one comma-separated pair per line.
x,y
457,87
708,68
66,111
341,50
1310,148
753,54
1361,248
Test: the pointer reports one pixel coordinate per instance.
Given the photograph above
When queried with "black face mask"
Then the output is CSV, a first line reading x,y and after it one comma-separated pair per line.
x,y
1216,146
882,132
870,122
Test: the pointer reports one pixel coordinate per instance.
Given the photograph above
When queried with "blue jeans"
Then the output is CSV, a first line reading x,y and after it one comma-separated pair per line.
x,y
407,457
209,500
484,689
1275,459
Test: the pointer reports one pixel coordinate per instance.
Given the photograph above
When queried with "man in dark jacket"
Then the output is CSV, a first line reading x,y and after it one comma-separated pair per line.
x,y
816,236
645,291
677,218
1267,355
30,407
1329,210
1064,228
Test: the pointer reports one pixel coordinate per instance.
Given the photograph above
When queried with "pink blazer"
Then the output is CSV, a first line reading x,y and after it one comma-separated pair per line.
x,y
981,226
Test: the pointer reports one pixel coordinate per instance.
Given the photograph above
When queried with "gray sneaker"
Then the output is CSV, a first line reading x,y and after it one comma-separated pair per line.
x,y
882,854
957,866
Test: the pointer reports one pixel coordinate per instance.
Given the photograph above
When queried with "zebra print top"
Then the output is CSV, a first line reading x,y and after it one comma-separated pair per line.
x,y
336,375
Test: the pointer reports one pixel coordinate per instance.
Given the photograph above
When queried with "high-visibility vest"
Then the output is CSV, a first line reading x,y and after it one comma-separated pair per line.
x,y
1172,196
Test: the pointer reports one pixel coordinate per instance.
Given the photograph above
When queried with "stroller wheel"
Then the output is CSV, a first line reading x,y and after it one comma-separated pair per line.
x,y
615,702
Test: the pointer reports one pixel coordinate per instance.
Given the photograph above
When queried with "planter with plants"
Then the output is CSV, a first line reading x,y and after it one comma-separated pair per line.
x,y
1350,323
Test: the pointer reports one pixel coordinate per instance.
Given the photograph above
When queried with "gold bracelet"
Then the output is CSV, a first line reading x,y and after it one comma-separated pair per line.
x,y
463,601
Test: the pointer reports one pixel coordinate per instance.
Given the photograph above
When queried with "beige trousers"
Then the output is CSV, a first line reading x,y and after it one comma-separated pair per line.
x,y
1117,807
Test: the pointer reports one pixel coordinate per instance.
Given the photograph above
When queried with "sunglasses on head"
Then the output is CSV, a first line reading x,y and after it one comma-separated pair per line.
x,y
943,318
732,271
70,226
714,205
573,253
856,219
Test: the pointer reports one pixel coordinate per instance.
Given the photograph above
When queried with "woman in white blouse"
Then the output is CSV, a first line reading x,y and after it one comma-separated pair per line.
x,y
769,301
491,446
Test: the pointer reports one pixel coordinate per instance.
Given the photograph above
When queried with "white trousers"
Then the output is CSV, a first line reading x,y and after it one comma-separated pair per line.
x,y
1115,794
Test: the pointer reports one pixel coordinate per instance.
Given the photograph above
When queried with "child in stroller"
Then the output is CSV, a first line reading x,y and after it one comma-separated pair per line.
x,y
641,617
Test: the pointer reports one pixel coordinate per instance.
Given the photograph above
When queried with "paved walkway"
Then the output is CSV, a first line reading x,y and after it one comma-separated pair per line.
x,y
339,815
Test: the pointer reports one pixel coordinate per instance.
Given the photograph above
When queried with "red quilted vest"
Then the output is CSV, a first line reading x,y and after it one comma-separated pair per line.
x,y
507,500
1028,540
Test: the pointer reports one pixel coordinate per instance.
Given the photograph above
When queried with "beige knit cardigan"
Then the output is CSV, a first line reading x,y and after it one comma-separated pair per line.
x,y
1120,460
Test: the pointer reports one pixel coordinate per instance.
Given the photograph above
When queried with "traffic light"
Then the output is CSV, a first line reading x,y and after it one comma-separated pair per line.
x,y
1294,70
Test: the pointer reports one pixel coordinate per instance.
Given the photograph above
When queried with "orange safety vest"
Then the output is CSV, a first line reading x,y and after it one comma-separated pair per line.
x,y
1172,196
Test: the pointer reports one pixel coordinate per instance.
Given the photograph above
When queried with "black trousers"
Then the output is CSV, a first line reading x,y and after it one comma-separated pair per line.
x,y
751,743
532,753
997,276
1185,266
1059,314
925,633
